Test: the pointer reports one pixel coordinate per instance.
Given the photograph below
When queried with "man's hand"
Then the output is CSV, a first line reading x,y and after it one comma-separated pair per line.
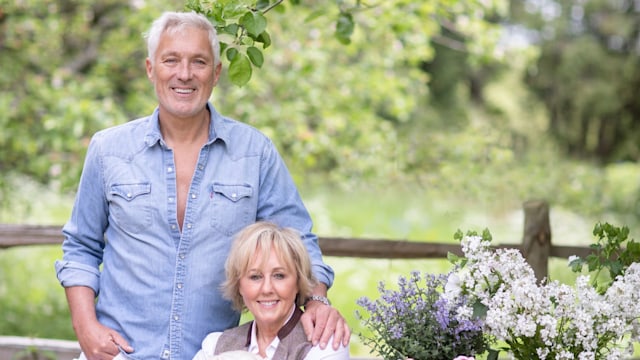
x,y
99,342
321,321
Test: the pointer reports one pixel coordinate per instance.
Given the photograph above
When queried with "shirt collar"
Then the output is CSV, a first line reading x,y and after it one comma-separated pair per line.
x,y
218,127
252,339
253,346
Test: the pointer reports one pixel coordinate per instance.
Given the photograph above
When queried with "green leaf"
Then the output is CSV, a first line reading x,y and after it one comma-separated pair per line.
x,y
254,22
344,27
314,15
265,39
232,53
240,70
633,252
493,354
479,309
486,235
231,29
223,47
255,55
597,229
615,269
453,258
576,265
262,4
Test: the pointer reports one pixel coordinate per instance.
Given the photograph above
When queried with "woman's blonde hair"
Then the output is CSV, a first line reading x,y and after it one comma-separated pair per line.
x,y
263,237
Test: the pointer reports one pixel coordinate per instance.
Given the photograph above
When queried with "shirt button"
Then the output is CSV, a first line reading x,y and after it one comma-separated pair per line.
x,y
173,226
234,195
181,256
169,169
193,196
188,226
170,199
165,354
129,195
200,167
179,286
176,317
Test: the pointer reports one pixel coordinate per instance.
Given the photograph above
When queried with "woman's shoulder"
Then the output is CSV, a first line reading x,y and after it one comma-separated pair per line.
x,y
208,348
328,353
212,338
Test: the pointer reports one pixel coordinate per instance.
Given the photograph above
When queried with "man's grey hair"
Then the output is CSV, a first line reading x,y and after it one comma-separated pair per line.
x,y
176,21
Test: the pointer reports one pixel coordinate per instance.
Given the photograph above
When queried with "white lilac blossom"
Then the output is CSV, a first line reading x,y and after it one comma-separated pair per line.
x,y
416,321
549,320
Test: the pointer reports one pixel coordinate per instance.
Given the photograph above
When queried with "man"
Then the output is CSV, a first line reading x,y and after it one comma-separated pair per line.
x,y
158,203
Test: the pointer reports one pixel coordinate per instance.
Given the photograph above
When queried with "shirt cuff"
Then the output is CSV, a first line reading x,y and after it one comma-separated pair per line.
x,y
72,273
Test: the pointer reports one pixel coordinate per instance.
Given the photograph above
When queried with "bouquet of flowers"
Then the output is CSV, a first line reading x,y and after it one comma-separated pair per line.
x,y
492,298
416,321
549,320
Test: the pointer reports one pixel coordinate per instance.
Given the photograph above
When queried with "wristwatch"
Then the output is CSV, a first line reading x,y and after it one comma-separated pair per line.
x,y
322,299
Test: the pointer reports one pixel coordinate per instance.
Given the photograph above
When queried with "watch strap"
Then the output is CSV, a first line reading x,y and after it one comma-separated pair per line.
x,y
322,299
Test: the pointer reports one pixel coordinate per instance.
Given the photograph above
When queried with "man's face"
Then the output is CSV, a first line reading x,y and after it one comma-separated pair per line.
x,y
183,72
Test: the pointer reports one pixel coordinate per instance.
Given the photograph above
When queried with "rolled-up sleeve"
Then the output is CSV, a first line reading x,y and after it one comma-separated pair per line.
x,y
71,273
84,242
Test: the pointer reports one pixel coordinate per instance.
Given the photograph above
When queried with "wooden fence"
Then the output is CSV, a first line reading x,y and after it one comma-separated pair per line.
x,y
536,247
536,244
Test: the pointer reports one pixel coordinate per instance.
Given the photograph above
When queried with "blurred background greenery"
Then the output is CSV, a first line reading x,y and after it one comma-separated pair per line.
x,y
438,115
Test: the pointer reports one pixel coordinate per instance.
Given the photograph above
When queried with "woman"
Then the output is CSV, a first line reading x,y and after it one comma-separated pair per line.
x,y
268,272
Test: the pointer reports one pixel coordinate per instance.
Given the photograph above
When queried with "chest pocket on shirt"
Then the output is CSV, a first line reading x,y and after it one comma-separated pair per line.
x,y
232,207
130,206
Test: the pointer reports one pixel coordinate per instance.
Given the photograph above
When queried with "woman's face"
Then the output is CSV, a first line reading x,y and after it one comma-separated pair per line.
x,y
269,290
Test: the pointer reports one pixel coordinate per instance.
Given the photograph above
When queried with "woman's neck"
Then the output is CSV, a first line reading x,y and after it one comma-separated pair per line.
x,y
266,332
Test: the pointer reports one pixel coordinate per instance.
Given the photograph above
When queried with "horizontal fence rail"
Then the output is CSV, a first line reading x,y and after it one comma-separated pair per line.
x,y
27,235
26,348
535,246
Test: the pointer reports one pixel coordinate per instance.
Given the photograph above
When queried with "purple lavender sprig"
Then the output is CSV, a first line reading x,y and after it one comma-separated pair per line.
x,y
416,321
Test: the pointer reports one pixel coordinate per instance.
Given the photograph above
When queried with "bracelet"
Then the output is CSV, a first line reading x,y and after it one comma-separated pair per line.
x,y
322,299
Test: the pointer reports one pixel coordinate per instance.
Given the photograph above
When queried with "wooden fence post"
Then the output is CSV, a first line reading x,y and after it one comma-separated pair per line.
x,y
536,242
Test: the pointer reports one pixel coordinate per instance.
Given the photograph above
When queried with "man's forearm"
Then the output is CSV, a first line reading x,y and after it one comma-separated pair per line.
x,y
81,301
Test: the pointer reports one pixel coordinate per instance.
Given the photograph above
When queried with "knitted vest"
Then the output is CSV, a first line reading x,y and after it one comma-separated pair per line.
x,y
293,341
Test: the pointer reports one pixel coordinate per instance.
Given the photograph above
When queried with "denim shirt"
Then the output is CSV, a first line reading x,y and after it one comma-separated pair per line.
x,y
157,286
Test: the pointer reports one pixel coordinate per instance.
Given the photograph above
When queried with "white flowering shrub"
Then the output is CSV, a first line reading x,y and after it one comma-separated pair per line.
x,y
548,320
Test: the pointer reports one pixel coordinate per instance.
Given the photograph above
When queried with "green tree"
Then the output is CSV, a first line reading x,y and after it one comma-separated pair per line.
x,y
337,79
68,68
344,87
588,74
